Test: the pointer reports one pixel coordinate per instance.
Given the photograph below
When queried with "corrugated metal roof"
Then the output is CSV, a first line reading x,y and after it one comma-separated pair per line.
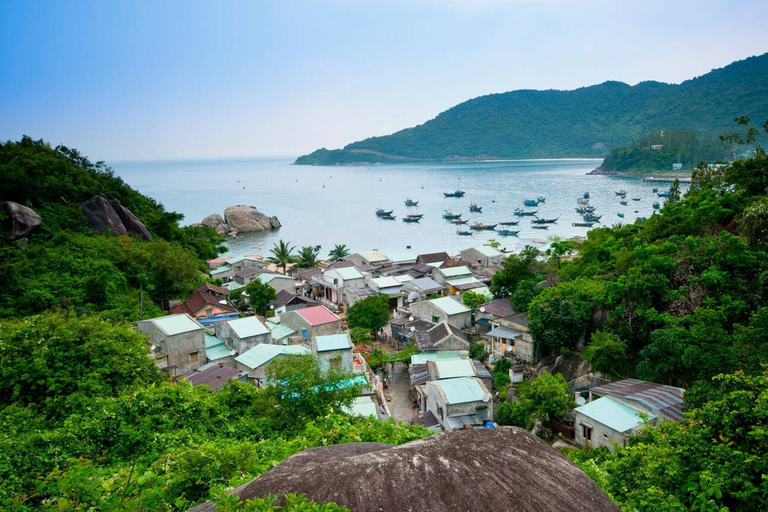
x,y
333,342
362,406
503,332
373,256
450,368
247,327
362,292
455,271
217,352
434,257
611,413
263,353
488,251
667,401
499,307
403,278
401,256
214,376
348,273
242,258
449,306
317,315
467,282
221,270
266,277
386,282
426,284
233,285
280,331
461,390
172,325
423,357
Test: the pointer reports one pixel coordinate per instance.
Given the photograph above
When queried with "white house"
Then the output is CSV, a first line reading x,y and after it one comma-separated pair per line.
x,y
333,351
443,309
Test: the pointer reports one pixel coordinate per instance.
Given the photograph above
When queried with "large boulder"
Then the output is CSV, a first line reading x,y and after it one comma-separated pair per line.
x,y
21,220
247,219
214,220
100,215
480,470
132,223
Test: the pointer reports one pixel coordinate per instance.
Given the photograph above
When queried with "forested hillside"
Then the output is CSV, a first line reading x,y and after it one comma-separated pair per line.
x,y
585,122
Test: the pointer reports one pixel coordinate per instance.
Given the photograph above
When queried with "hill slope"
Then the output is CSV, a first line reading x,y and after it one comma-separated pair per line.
x,y
585,122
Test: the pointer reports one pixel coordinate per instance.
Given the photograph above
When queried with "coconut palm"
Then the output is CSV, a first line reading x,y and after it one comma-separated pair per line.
x,y
307,257
282,254
338,252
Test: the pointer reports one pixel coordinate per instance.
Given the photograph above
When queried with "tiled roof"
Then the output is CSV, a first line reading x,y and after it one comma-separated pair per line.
x,y
612,414
209,288
317,315
434,257
214,376
198,301
667,401
500,308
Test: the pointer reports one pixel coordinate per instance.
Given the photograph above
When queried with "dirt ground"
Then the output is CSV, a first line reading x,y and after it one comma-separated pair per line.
x,y
397,394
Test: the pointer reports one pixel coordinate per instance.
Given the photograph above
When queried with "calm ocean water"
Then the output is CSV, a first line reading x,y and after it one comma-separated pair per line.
x,y
331,205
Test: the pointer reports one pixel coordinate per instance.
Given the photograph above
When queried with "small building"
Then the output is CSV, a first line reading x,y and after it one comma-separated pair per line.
x,y
207,308
216,351
483,255
434,259
215,376
354,295
287,301
281,334
408,329
390,286
333,351
442,275
372,259
444,309
402,257
492,310
216,263
312,321
459,402
279,282
442,337
244,333
255,361
332,282
422,289
179,341
510,336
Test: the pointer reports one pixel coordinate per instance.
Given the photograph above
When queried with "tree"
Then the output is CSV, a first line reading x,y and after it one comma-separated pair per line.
x,y
674,193
607,354
360,335
548,395
339,251
473,300
515,269
260,295
524,294
371,313
282,254
307,257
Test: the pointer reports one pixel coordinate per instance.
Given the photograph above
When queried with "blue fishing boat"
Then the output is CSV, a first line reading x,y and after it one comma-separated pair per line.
x,y
582,224
458,193
585,209
474,208
450,216
541,199
458,221
620,215
387,217
411,219
381,212
622,193
656,205
663,193
591,217
479,226
531,202
411,202
507,232
586,195
540,226
464,233
523,213
544,221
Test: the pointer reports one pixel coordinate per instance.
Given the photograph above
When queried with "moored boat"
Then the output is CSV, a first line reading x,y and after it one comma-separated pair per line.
x,y
474,208
620,215
582,224
458,193
450,216
415,215
381,212
586,195
387,217
624,202
541,199
622,193
411,219
510,223
582,201
464,233
540,226
586,209
507,232
656,205
591,217
544,221
523,213
458,221
531,202
663,193
636,198
411,202
480,226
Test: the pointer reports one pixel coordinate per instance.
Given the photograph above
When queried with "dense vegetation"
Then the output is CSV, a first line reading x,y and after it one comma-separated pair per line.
x,y
585,122
678,146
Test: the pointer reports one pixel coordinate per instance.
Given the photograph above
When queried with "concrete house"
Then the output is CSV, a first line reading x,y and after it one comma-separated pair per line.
x,y
422,288
510,337
442,275
255,361
333,351
459,402
281,334
372,259
178,339
434,259
459,280
624,408
354,295
483,255
287,301
312,321
279,282
444,309
391,286
492,310
332,283
244,333
442,337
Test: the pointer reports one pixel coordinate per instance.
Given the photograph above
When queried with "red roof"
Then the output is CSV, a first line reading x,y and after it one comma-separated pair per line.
x,y
317,315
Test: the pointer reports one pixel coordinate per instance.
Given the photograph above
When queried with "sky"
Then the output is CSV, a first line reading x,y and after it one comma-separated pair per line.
x,y
146,80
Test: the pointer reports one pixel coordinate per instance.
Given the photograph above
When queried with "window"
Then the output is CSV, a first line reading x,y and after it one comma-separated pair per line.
x,y
435,320
194,357
586,432
209,312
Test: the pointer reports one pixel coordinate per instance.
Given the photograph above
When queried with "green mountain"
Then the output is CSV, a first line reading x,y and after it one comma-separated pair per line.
x,y
585,122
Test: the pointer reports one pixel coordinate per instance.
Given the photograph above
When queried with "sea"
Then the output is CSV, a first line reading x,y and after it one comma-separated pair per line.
x,y
325,206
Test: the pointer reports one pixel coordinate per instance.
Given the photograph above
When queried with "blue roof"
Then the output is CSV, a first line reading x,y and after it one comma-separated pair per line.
x,y
263,353
612,413
333,342
461,390
215,348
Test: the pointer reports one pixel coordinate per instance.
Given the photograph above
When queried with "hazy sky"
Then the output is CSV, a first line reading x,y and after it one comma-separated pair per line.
x,y
186,79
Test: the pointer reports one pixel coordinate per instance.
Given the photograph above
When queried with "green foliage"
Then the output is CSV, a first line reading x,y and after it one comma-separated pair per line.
x,y
502,365
260,295
473,300
293,503
476,350
339,251
516,414
282,254
607,354
370,313
361,335
515,269
501,380
524,294
307,258
584,122
544,399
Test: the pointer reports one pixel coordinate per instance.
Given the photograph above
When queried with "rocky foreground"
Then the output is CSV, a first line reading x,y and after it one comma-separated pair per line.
x,y
240,219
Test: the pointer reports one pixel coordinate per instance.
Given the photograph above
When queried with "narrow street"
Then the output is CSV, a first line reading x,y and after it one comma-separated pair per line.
x,y
397,394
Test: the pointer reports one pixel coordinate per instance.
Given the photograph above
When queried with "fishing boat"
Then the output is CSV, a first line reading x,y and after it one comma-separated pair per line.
x,y
415,215
586,209
411,202
620,215
539,226
656,205
478,226
541,199
458,221
636,198
510,223
411,219
531,202
474,208
523,213
655,189
464,233
663,193
624,202
381,212
507,232
582,224
387,217
458,193
450,216
622,193
591,217
544,221
586,195
582,201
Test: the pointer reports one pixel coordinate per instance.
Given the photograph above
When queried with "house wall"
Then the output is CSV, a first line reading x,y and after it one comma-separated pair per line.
x,y
259,373
436,404
289,285
602,435
326,359
451,343
295,321
179,348
225,332
524,349
227,362
211,310
425,310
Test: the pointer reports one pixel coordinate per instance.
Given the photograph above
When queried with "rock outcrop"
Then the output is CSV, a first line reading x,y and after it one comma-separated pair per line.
x,y
240,219
480,470
22,221
103,214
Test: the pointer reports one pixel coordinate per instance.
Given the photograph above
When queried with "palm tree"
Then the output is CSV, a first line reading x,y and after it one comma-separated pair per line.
x,y
338,252
282,254
307,257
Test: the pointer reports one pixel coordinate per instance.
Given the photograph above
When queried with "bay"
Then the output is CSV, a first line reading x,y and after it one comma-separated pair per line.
x,y
335,205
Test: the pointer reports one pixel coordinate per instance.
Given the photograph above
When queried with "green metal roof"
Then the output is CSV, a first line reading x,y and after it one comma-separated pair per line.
x,y
263,353
280,331
233,285
348,273
386,282
450,306
266,277
612,413
215,348
450,368
362,406
458,281
242,258
488,251
221,270
333,342
423,357
455,271
175,324
462,390
247,327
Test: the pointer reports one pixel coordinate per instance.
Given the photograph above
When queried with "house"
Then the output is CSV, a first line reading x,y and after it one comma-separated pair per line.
x,y
287,301
430,366
353,295
244,333
459,402
312,321
281,334
443,309
510,336
216,351
434,259
214,290
363,406
442,337
279,282
402,257
460,279
333,351
207,308
215,376
331,283
232,266
483,255
216,263
625,407
421,289
372,259
223,272
255,361
442,275
179,341
406,329
391,286
492,310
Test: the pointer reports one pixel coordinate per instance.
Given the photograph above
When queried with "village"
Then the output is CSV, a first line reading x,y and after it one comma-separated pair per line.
x,y
444,380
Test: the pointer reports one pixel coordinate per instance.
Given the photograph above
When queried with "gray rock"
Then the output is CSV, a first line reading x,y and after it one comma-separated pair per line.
x,y
100,215
132,223
274,222
214,220
22,221
222,229
22,242
480,470
247,219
